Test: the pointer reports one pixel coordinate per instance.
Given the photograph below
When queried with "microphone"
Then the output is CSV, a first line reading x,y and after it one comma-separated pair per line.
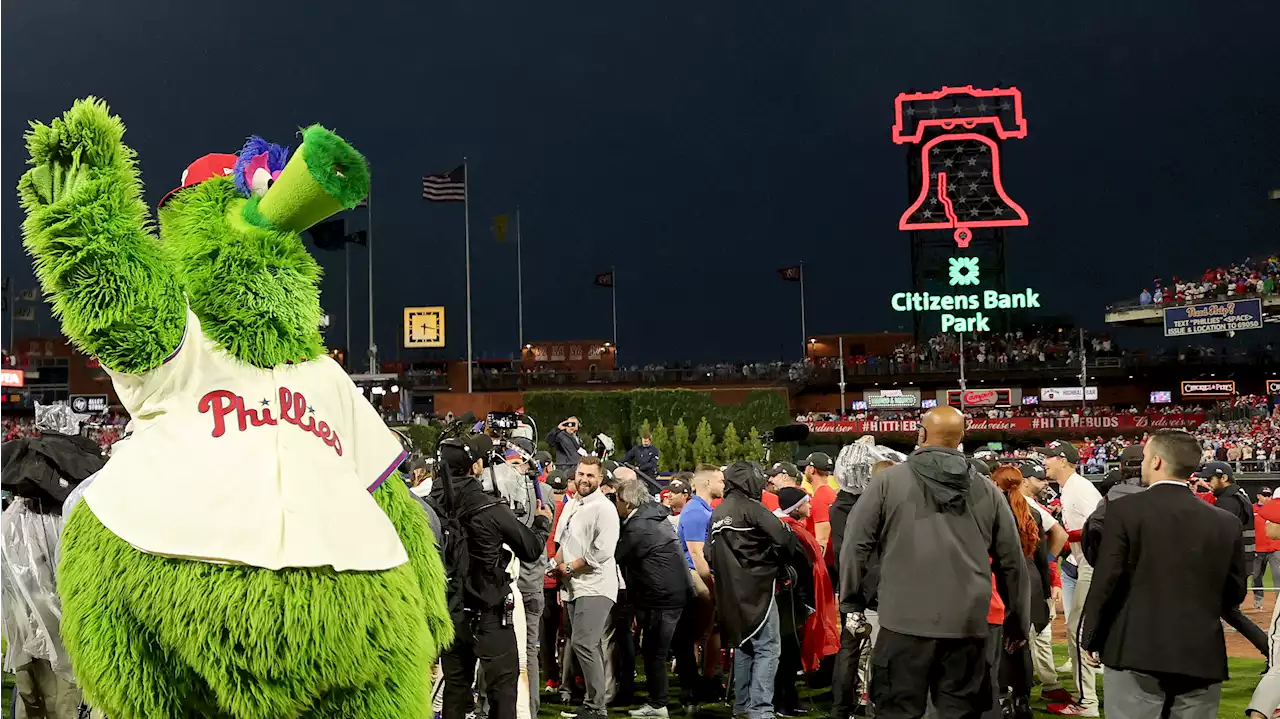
x,y
791,433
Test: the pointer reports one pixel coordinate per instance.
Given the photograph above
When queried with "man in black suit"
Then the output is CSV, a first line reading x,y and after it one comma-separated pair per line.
x,y
1168,567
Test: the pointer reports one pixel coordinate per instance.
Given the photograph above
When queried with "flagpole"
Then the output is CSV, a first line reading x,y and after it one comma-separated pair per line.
x,y
614,273
804,332
466,214
519,281
373,353
346,317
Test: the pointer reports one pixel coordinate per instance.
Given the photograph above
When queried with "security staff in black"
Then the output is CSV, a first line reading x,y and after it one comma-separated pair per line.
x,y
483,627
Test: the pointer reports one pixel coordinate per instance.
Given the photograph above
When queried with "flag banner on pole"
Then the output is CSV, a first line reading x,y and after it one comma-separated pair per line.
x,y
604,279
449,187
500,224
790,274
24,314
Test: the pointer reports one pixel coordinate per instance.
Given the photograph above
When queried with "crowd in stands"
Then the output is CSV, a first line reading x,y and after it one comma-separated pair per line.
x,y
1250,278
1009,412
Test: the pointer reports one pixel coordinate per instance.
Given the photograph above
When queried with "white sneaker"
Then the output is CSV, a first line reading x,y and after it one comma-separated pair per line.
x,y
649,712
1066,668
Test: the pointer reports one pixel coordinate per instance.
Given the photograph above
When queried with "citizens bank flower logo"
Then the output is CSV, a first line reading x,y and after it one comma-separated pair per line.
x,y
964,270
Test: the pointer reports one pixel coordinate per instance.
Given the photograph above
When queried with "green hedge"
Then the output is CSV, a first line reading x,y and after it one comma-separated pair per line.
x,y
620,414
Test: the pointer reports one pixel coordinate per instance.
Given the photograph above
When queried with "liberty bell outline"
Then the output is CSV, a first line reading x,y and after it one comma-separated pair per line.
x,y
961,185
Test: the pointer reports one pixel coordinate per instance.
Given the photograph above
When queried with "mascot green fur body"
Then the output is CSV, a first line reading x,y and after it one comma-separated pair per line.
x,y
157,637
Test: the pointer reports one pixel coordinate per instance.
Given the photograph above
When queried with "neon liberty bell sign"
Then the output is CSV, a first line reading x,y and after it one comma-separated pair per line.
x,y
961,189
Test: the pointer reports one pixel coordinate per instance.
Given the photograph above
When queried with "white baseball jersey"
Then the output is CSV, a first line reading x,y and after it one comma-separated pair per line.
x,y
234,464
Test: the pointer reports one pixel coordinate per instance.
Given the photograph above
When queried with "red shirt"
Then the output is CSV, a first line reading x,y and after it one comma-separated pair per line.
x,y
1261,541
823,497
995,613
770,501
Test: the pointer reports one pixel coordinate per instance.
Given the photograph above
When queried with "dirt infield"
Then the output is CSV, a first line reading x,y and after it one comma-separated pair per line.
x,y
1237,645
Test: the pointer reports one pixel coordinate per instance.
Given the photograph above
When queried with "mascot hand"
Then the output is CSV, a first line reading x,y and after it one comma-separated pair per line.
x,y
67,152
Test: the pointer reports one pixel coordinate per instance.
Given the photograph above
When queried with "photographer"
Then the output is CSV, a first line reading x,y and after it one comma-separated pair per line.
x,y
479,593
565,444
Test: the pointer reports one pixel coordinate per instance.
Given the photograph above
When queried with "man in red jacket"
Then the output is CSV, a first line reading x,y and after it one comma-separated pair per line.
x,y
1266,549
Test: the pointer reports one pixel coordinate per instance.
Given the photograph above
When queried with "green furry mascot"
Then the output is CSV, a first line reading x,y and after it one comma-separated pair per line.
x,y
249,552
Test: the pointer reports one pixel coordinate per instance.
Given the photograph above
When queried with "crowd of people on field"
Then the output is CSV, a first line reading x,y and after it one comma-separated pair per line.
x,y
751,578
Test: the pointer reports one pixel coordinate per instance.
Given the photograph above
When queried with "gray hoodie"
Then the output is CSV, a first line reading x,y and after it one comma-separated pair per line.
x,y
941,530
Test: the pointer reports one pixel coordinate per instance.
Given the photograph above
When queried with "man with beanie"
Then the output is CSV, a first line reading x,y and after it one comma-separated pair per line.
x,y
482,620
931,517
748,548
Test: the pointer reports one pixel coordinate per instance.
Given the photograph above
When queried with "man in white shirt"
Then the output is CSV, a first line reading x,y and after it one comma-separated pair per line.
x,y
585,564
1079,499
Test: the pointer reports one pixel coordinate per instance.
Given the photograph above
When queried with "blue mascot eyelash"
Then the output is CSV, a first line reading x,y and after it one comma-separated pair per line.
x,y
277,156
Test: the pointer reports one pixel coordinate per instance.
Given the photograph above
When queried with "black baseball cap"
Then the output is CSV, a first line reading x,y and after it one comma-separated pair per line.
x,y
1060,448
820,461
786,468
1209,470
1032,468
1265,491
679,486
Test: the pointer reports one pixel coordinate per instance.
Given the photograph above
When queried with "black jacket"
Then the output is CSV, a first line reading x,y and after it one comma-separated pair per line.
x,y
48,467
564,449
490,524
1235,500
652,560
748,549
645,459
840,510
1168,567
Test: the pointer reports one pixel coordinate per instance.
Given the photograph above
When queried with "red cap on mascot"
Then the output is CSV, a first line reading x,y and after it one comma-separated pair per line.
x,y
206,168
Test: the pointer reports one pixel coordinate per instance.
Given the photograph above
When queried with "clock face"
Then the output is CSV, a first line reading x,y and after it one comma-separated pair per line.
x,y
424,327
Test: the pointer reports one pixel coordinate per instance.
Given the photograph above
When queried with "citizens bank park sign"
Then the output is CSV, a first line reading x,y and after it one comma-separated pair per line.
x,y
957,130
1014,425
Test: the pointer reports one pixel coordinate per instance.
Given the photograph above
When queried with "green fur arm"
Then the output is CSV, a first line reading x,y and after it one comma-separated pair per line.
x,y
87,230
415,532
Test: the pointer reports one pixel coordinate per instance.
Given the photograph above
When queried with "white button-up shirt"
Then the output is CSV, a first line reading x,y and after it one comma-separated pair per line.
x,y
1079,499
234,464
590,533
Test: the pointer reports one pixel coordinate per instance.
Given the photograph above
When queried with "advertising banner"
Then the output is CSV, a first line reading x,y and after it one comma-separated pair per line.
x,y
892,398
1195,389
1209,317
1068,394
1002,397
89,403
12,377
1014,425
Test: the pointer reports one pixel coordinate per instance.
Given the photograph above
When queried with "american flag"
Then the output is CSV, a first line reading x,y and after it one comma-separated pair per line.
x,y
448,187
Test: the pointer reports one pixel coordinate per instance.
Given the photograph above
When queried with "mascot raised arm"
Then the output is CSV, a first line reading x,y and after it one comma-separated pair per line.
x,y
251,552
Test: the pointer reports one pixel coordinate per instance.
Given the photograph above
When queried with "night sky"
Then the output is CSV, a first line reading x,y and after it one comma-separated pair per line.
x,y
696,146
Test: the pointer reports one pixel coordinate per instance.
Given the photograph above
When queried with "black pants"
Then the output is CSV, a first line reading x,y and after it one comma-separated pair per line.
x,y
622,623
549,638
1239,622
487,638
845,692
692,685
905,670
786,698
658,628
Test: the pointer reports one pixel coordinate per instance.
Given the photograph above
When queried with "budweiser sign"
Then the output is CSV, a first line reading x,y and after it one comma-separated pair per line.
x,y
1014,425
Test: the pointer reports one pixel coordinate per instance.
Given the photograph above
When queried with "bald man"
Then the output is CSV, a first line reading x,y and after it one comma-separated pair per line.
x,y
940,530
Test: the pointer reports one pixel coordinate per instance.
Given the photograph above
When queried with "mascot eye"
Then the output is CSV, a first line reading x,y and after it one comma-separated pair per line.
x,y
260,182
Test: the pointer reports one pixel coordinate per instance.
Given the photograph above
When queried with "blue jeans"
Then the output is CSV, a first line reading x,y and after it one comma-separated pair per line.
x,y
755,664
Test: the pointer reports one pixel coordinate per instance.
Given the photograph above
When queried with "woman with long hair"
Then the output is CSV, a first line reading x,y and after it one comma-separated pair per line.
x,y
1015,672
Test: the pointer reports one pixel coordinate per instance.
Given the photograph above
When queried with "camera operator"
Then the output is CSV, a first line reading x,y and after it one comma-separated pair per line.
x,y
483,624
532,573
566,445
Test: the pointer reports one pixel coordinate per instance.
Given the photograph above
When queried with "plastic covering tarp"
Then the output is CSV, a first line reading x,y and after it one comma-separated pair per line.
x,y
32,614
853,465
